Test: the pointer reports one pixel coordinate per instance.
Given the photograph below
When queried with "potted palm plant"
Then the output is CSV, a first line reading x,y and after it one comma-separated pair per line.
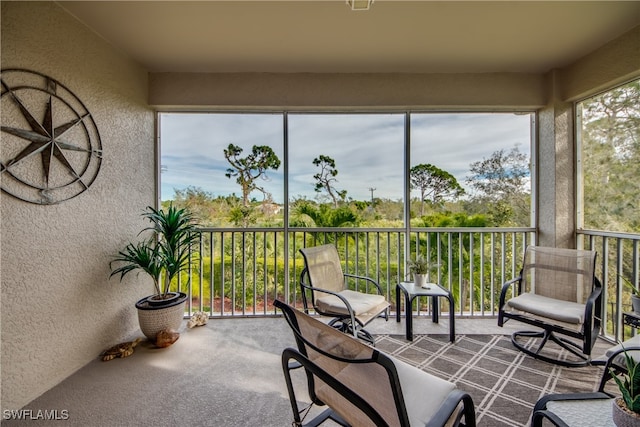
x,y
163,256
419,266
626,410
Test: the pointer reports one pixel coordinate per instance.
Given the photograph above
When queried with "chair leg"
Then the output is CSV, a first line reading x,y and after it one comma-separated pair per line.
x,y
344,325
545,336
327,414
339,324
367,337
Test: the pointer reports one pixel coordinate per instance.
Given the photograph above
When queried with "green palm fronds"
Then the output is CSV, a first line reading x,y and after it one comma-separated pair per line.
x,y
164,255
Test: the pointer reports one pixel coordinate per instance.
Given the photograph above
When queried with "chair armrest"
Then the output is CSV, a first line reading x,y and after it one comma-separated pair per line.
x,y
450,405
337,295
326,291
612,365
368,279
592,310
540,409
506,286
306,286
542,402
503,294
611,359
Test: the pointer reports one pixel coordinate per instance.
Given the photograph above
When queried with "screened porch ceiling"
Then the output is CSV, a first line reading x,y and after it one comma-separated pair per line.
x,y
327,37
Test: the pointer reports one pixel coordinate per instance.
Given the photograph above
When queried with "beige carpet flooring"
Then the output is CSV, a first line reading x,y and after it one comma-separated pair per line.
x,y
226,373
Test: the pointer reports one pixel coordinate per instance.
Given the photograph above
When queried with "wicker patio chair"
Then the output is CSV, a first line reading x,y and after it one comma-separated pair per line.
x,y
557,291
361,386
328,287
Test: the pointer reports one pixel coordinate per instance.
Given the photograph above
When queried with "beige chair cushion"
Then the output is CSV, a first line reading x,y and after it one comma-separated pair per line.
x,y
361,303
562,311
423,393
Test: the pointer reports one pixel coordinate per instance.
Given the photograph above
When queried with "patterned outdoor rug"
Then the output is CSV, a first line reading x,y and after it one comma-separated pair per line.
x,y
503,382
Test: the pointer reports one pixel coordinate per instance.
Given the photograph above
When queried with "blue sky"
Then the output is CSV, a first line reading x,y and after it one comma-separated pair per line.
x,y
368,148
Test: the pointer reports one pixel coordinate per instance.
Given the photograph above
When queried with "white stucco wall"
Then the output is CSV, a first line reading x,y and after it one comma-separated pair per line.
x,y
59,308
614,63
317,91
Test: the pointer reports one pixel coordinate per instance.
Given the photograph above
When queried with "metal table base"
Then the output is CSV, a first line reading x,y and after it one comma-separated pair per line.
x,y
433,290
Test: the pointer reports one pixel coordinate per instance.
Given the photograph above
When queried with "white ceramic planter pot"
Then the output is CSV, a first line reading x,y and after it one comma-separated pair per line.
x,y
155,318
419,279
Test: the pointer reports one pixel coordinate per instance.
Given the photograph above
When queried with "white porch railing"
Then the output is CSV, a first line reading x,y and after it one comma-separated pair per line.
x,y
240,271
618,256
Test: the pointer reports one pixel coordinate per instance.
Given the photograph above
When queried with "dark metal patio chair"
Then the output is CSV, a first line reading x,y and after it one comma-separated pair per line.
x,y
614,359
570,409
361,386
558,292
328,287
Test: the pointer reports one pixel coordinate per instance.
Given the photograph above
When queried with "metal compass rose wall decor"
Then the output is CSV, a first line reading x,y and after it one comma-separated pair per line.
x,y
50,148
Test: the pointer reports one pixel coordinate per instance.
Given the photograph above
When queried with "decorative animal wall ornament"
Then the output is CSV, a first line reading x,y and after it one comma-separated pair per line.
x,y
198,318
50,144
124,349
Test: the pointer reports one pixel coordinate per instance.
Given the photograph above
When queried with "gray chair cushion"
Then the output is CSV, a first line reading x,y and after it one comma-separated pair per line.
x,y
562,311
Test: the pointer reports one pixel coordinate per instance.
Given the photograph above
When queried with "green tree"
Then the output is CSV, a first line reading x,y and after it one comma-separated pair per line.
x,y
202,204
435,185
455,268
501,187
326,178
448,219
611,154
307,214
242,216
248,169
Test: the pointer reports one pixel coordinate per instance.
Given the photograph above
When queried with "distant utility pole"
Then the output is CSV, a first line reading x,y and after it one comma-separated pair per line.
x,y
372,190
